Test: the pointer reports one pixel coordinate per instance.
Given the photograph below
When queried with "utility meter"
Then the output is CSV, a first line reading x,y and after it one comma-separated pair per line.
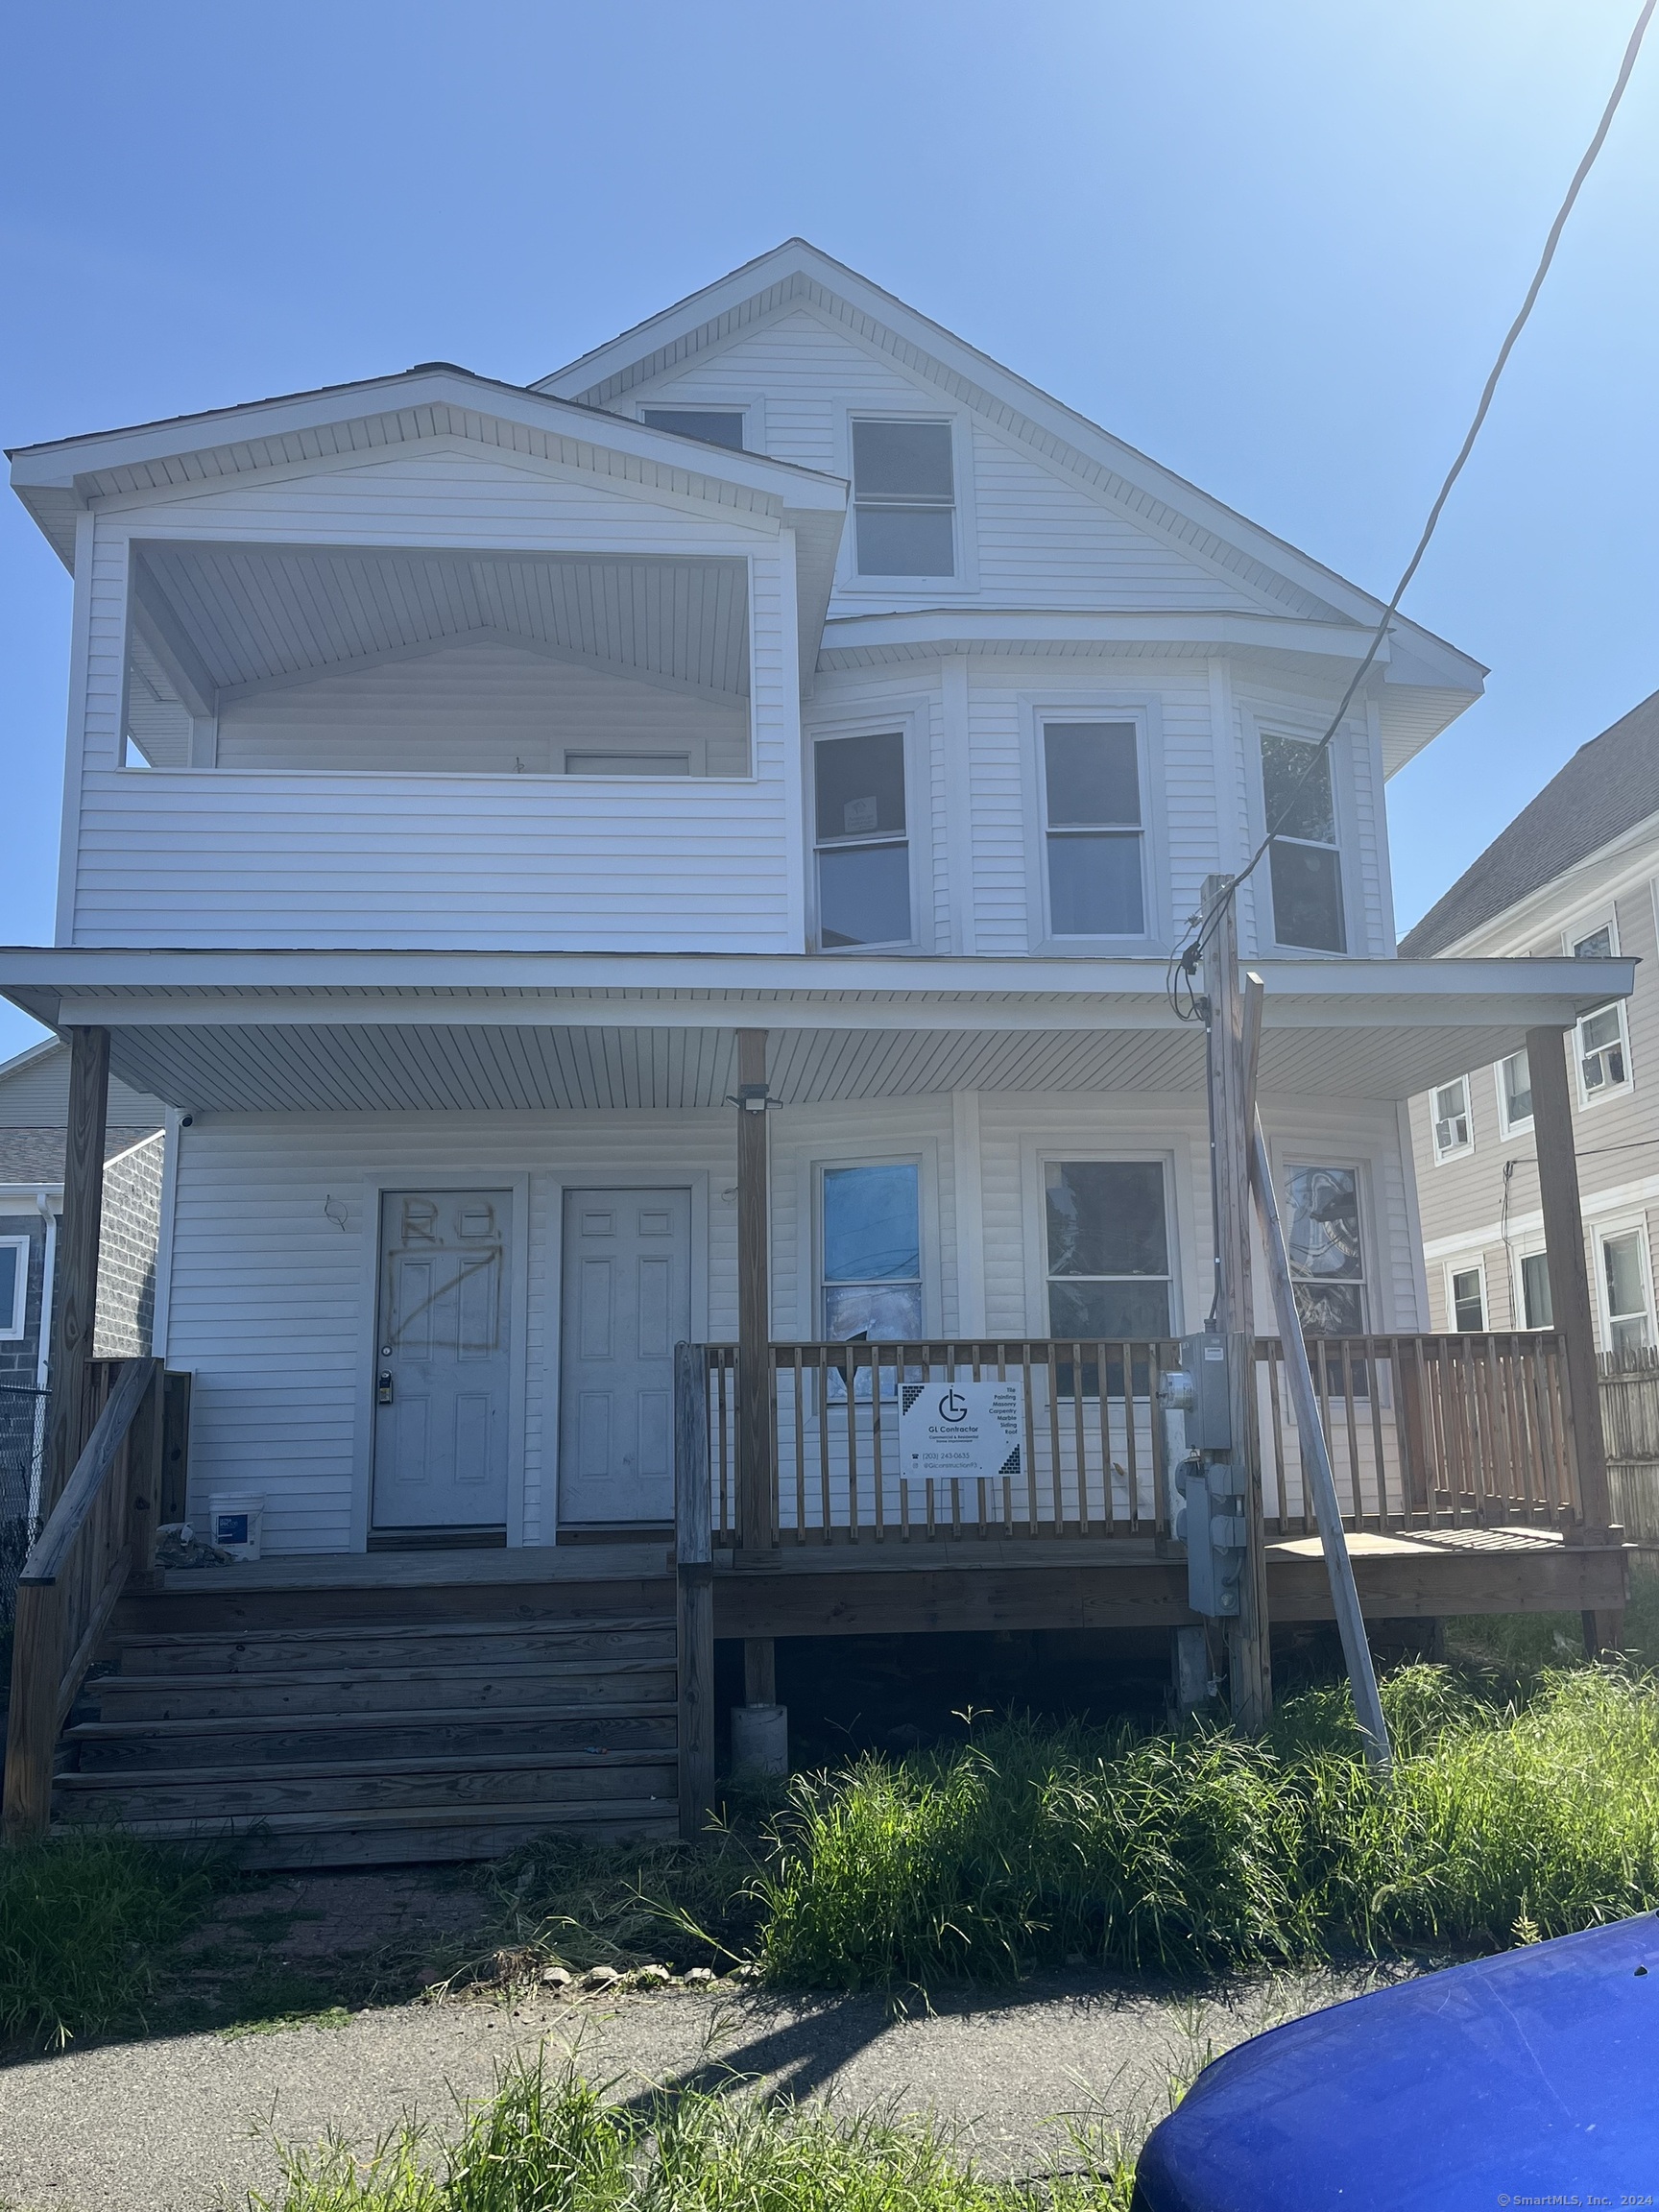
x,y
1207,1484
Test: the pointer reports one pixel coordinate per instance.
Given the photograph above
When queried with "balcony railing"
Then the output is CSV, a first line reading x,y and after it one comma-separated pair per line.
x,y
1422,1432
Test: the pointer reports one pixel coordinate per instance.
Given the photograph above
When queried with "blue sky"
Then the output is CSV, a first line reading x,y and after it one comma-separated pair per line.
x,y
1273,242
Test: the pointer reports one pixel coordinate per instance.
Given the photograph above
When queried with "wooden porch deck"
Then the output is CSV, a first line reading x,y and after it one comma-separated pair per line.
x,y
391,1706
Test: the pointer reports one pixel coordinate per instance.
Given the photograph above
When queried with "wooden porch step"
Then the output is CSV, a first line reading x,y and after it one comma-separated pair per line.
x,y
588,1683
451,1642
403,1837
133,1744
248,1793
415,1731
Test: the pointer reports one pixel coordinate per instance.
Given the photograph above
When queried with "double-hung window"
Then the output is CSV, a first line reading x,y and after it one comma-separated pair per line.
x,y
14,1286
864,850
1515,1093
1327,1259
1453,1133
1468,1300
872,1253
1629,1326
904,499
1093,829
1603,1043
1305,866
1108,1238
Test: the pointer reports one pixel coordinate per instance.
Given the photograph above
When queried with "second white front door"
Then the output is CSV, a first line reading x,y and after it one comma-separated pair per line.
x,y
627,1303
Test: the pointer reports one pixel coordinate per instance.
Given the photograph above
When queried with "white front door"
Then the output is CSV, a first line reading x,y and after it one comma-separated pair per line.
x,y
442,1369
627,1303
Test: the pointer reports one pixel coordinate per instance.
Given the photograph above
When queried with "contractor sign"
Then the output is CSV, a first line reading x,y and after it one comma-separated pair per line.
x,y
961,1427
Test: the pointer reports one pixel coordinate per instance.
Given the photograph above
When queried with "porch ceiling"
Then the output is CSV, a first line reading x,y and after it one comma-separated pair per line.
x,y
247,1032
232,619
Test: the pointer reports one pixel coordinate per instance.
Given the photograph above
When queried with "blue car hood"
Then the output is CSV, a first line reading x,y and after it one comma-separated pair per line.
x,y
1532,2077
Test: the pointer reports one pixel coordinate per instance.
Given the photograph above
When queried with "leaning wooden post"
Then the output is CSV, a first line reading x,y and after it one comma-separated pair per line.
x,y
694,1590
69,1417
1249,1651
1570,1305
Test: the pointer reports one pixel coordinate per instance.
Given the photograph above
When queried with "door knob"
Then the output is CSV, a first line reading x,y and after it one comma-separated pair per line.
x,y
383,1390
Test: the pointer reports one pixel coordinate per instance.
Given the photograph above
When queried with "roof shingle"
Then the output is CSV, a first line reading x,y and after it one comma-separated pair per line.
x,y
1607,788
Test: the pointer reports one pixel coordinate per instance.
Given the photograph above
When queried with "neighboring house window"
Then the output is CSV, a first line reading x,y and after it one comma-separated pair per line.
x,y
1092,804
1514,1094
1108,1236
1452,1130
1305,865
1603,1043
872,1246
1468,1300
863,852
1628,1322
1327,1261
904,499
14,1286
1537,1308
715,426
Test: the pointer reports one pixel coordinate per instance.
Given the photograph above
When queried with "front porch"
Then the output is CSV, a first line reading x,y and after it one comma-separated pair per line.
x,y
264,1696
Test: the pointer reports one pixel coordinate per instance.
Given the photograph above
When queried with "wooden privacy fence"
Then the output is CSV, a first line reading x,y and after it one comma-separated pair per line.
x,y
1423,1431
101,1530
1629,1387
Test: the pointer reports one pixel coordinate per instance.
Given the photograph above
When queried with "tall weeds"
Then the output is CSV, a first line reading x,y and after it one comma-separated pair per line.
x,y
1203,1851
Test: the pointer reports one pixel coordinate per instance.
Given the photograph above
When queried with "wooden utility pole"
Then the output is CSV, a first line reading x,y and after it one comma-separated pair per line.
x,y
1569,1302
1231,1115
76,1282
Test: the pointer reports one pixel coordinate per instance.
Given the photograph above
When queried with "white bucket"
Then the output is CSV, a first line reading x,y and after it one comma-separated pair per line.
x,y
236,1522
759,1739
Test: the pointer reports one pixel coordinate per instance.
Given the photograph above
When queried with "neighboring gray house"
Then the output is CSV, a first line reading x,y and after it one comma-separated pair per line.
x,y
1576,872
34,1114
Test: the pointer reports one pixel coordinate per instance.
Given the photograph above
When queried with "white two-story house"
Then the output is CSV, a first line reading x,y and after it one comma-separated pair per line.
x,y
692,850
455,769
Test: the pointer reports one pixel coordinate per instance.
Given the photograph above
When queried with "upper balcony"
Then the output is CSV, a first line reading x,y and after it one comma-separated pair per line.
x,y
433,662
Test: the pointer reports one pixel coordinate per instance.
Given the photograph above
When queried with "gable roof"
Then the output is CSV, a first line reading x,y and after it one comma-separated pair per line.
x,y
797,273
1609,786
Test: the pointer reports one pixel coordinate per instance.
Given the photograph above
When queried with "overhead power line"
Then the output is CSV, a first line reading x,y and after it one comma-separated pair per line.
x,y
1184,960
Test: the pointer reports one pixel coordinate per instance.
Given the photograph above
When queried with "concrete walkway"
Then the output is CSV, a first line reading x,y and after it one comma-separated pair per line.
x,y
186,2124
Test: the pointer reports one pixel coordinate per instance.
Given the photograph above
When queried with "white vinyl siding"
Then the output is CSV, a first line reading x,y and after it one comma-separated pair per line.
x,y
1041,538
488,710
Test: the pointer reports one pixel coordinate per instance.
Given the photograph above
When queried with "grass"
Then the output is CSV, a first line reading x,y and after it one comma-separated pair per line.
x,y
83,1921
553,2140
1200,1853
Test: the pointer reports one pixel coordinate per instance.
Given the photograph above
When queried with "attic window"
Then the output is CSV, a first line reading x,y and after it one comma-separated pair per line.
x,y
715,426
904,498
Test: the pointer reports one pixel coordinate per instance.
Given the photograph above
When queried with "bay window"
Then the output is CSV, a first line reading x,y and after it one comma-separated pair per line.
x,y
1108,1249
1093,829
1305,867
862,845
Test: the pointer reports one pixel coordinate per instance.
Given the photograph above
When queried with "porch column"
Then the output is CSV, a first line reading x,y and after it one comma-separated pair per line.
x,y
1569,1298
1232,1112
76,1288
755,1441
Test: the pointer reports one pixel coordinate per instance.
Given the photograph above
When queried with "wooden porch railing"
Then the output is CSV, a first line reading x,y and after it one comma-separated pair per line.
x,y
1423,1431
101,1532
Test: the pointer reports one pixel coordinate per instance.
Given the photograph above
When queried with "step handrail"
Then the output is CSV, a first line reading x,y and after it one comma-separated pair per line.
x,y
99,1531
